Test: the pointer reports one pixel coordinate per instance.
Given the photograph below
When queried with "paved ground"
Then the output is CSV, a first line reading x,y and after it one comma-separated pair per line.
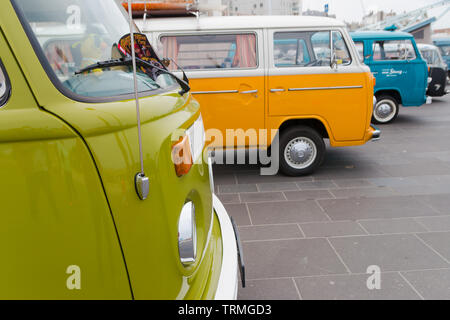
x,y
386,203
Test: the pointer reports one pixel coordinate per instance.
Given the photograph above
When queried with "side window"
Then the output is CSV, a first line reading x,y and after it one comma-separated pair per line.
x,y
360,48
211,51
301,49
340,49
394,50
5,87
291,52
320,42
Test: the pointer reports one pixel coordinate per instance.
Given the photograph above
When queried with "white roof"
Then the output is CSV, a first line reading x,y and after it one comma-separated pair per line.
x,y
236,22
423,46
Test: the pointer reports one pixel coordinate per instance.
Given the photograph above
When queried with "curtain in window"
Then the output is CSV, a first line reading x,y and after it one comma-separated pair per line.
x,y
170,49
245,51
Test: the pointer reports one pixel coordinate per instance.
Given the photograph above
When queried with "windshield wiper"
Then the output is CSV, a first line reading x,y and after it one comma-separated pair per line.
x,y
128,62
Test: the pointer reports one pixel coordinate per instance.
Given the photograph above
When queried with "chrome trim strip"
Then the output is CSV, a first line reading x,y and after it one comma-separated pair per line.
x,y
215,92
325,88
277,90
249,91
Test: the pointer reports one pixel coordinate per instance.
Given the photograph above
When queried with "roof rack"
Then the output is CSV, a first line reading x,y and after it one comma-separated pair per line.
x,y
168,8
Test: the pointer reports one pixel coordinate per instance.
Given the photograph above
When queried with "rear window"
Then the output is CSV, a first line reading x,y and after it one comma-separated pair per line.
x,y
211,51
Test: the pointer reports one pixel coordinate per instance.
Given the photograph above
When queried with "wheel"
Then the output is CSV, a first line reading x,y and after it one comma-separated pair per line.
x,y
386,110
302,151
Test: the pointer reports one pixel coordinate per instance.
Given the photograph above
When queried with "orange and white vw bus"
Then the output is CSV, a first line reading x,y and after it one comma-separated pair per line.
x,y
298,75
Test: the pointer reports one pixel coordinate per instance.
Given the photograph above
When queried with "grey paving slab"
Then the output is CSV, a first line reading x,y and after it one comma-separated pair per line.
x,y
376,208
256,177
439,202
418,190
393,182
225,179
278,186
314,185
308,195
291,258
439,241
389,252
431,284
435,223
389,226
331,229
270,232
229,198
238,188
356,172
239,213
415,169
362,192
272,289
353,183
354,287
262,197
286,212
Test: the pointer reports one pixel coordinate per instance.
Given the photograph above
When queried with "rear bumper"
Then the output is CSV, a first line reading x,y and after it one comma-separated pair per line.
x,y
376,134
228,281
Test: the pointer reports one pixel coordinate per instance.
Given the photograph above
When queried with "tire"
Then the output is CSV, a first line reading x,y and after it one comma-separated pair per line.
x,y
386,110
310,146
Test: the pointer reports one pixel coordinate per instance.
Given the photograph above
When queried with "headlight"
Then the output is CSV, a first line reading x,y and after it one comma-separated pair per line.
x,y
189,149
187,234
196,134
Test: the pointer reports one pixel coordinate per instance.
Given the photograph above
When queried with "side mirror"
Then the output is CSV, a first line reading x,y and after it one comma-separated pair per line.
x,y
334,61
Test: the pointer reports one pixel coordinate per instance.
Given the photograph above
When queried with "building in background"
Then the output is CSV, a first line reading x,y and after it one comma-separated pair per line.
x,y
374,17
262,7
318,13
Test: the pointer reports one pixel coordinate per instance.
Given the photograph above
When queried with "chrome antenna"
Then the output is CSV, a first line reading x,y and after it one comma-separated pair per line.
x,y
142,182
145,15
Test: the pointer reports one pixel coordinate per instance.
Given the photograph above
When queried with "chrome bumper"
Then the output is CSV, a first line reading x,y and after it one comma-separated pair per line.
x,y
376,133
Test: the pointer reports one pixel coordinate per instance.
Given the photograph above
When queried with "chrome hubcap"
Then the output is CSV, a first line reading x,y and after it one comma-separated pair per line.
x,y
384,110
300,152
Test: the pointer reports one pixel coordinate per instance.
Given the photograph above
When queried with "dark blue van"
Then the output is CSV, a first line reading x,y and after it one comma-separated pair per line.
x,y
401,73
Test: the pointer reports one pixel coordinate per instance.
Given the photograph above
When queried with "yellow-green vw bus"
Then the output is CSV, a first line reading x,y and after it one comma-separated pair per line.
x,y
73,224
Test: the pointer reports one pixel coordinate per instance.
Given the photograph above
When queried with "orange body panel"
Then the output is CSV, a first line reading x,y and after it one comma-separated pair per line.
x,y
345,113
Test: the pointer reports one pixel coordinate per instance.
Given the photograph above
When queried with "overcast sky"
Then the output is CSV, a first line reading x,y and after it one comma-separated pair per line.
x,y
352,10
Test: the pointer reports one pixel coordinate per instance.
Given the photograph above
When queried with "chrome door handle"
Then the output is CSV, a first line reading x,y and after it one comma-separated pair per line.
x,y
277,90
249,91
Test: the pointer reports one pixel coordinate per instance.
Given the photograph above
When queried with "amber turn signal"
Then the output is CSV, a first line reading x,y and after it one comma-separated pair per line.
x,y
182,156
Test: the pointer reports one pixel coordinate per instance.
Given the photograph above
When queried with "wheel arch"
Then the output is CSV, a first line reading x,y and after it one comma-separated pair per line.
x,y
313,123
395,93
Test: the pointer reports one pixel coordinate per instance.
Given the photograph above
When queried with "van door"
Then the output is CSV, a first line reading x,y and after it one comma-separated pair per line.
x,y
226,72
303,85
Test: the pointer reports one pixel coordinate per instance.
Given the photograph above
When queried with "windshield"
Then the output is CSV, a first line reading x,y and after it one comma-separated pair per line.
x,y
445,50
431,56
74,34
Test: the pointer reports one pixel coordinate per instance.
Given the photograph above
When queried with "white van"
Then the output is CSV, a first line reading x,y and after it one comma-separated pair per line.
x,y
296,74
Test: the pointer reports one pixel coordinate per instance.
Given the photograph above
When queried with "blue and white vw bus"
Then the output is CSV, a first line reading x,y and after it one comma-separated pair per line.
x,y
401,73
